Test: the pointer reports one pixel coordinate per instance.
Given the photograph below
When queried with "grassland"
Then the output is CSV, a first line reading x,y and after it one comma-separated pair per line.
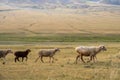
x,y
63,28
27,39
59,25
59,21
106,68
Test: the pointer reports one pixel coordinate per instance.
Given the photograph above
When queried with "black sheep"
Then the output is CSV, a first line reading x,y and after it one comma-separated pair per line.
x,y
21,54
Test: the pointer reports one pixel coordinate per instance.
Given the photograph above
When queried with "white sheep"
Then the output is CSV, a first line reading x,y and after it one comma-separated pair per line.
x,y
47,53
89,51
3,54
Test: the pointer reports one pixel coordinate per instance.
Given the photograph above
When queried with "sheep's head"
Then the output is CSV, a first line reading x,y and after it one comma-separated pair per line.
x,y
103,48
28,50
9,51
57,49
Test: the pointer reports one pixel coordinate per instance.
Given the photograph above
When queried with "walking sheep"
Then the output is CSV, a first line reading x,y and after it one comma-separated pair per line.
x,y
3,54
21,54
47,53
91,51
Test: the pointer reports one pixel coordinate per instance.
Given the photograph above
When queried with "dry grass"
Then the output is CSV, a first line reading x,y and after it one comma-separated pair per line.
x,y
34,22
64,67
59,21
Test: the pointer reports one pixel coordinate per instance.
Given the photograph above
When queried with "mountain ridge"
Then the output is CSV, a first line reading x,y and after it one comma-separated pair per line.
x,y
52,4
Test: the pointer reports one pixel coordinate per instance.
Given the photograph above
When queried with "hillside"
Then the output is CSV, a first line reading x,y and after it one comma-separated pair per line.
x,y
99,18
28,23
53,4
59,21
115,2
41,4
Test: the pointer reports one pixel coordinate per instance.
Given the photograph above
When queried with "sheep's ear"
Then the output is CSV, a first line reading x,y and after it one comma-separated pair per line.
x,y
101,47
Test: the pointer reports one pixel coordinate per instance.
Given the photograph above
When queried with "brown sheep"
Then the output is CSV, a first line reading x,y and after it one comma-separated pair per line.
x,y
47,53
89,51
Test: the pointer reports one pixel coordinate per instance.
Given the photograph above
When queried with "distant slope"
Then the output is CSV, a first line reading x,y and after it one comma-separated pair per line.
x,y
59,21
116,2
88,18
42,1
41,4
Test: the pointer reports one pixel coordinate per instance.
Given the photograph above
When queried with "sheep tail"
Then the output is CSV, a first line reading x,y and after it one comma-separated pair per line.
x,y
37,59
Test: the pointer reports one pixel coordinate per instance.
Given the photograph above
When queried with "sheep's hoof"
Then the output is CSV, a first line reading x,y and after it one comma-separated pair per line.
x,y
88,61
3,62
75,62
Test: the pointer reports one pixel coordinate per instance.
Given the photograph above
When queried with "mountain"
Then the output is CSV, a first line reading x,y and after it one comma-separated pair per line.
x,y
41,4
41,1
115,2
52,4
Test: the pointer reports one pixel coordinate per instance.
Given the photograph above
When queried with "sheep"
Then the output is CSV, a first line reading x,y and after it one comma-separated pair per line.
x,y
47,53
21,54
3,54
91,51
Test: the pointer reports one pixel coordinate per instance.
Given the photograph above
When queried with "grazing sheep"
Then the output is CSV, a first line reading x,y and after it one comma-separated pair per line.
x,y
21,54
47,53
89,51
3,54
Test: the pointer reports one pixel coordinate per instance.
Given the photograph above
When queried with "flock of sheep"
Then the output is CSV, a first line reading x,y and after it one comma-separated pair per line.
x,y
90,51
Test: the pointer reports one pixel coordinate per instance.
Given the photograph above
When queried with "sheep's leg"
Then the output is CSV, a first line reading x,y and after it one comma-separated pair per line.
x,y
37,59
26,58
22,59
90,58
52,59
18,59
77,58
4,60
94,59
82,59
42,59
15,59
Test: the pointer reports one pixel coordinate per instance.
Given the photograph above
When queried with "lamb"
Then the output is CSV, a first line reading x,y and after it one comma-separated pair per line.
x,y
47,53
3,54
21,54
91,51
